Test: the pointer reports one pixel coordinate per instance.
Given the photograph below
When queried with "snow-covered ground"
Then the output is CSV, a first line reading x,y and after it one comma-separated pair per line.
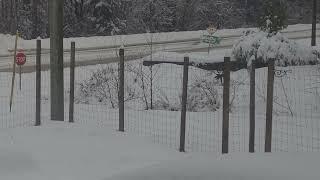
x,y
70,152
61,151
277,166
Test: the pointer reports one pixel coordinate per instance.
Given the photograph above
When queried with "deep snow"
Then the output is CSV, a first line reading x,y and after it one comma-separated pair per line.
x,y
61,151
277,166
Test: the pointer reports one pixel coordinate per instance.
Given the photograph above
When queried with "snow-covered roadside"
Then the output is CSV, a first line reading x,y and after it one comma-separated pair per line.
x,y
59,151
7,41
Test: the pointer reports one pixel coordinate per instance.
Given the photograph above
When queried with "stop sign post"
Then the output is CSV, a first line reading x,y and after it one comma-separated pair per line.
x,y
21,59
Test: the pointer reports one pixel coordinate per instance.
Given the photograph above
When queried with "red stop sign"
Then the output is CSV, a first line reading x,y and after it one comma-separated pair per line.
x,y
21,59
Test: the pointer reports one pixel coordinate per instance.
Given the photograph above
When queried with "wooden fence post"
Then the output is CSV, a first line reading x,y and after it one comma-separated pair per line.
x,y
38,84
268,136
184,104
252,107
121,91
226,105
72,76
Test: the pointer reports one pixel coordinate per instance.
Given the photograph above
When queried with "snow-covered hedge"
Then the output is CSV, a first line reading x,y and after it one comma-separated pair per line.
x,y
262,46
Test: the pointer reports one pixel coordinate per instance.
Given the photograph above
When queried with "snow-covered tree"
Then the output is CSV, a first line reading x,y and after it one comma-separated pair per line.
x,y
185,13
274,16
216,12
152,16
107,16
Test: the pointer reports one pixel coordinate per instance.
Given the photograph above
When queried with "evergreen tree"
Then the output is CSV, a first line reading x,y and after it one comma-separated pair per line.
x,y
152,16
107,16
274,16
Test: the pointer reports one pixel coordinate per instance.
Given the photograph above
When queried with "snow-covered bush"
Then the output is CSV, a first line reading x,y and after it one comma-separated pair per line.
x,y
203,96
262,46
101,87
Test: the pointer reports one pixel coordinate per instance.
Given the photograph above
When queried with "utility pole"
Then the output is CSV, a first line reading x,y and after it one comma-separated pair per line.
x,y
16,15
247,12
314,24
56,59
35,24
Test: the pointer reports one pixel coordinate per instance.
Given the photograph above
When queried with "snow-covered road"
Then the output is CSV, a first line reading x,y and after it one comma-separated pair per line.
x,y
93,50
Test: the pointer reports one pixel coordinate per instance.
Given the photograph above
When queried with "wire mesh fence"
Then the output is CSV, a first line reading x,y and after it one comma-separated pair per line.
x,y
296,112
153,110
22,112
96,91
153,104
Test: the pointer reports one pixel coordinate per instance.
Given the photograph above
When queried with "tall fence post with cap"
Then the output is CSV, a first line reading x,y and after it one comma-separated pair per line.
x,y
38,84
226,105
270,86
72,76
121,90
184,104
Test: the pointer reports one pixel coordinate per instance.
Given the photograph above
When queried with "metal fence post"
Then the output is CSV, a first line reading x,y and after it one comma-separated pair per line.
x,y
184,104
121,91
38,84
252,107
268,136
72,68
226,105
